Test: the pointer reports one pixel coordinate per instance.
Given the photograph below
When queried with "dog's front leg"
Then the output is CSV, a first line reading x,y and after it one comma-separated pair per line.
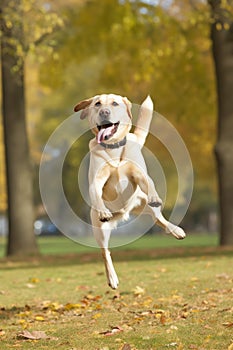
x,y
153,198
96,185
96,192
147,186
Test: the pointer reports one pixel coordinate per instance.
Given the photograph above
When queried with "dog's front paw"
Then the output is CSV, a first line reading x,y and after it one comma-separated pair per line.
x,y
105,215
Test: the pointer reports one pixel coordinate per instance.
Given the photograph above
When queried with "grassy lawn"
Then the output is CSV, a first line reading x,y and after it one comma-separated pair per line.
x,y
62,245
172,295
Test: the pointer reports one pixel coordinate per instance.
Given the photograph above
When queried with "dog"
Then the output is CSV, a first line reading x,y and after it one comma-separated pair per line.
x,y
119,184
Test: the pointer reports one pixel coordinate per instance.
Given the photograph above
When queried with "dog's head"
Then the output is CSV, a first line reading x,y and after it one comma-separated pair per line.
x,y
109,116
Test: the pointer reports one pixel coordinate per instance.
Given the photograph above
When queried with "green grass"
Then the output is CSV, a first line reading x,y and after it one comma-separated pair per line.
x,y
170,297
63,245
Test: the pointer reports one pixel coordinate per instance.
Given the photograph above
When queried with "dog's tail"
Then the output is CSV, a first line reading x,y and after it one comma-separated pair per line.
x,y
144,119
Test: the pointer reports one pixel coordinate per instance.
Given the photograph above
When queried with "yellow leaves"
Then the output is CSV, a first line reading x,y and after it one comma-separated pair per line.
x,y
70,306
96,316
39,318
54,306
138,291
34,280
194,279
24,314
226,26
222,26
9,24
219,26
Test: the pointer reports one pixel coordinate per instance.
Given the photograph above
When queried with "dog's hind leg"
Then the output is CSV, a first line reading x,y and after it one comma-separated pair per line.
x,y
102,232
159,219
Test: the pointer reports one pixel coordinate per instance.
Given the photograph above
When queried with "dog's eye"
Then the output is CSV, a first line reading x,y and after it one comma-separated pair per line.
x,y
98,103
115,103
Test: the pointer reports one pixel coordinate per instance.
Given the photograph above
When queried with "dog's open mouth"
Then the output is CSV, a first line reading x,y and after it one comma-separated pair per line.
x,y
106,130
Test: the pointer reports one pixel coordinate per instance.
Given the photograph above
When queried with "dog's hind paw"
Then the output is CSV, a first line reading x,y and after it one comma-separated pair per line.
x,y
176,231
113,281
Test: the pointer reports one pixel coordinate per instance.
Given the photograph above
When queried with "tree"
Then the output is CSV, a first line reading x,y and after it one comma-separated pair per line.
x,y
18,168
24,25
222,39
135,48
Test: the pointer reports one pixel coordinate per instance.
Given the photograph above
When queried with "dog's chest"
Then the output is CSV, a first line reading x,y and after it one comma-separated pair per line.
x,y
119,180
116,164
118,188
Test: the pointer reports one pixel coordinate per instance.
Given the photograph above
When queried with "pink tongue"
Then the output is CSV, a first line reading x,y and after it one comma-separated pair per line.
x,y
104,133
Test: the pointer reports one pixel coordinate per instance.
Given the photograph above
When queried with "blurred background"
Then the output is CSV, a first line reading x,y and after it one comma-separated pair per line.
x,y
73,50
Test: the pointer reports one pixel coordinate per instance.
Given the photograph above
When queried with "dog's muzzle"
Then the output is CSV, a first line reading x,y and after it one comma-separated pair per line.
x,y
106,130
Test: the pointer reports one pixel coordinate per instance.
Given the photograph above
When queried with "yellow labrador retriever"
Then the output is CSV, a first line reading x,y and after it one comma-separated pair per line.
x,y
118,180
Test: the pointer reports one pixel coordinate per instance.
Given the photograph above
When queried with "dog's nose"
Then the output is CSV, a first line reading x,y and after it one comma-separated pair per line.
x,y
104,113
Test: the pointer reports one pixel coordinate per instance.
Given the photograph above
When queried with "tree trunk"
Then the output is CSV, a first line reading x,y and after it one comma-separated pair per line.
x,y
222,41
21,240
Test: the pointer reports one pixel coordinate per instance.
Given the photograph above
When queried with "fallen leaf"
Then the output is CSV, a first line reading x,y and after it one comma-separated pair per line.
x,y
96,316
172,344
70,306
36,335
112,331
82,287
30,285
174,327
33,280
162,319
2,333
223,276
92,297
39,318
194,279
230,347
228,324
54,306
126,347
138,291
207,327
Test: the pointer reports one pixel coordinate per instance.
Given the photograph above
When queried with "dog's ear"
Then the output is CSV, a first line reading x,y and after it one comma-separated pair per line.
x,y
128,105
83,106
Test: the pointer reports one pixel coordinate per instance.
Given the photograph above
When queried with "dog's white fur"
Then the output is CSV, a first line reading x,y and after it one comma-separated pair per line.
x,y
118,180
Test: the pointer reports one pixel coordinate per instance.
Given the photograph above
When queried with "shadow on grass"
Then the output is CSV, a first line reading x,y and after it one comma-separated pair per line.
x,y
118,254
8,313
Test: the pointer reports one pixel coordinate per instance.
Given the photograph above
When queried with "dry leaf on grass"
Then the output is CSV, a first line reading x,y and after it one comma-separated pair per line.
x,y
34,335
112,331
2,333
228,324
126,347
138,291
